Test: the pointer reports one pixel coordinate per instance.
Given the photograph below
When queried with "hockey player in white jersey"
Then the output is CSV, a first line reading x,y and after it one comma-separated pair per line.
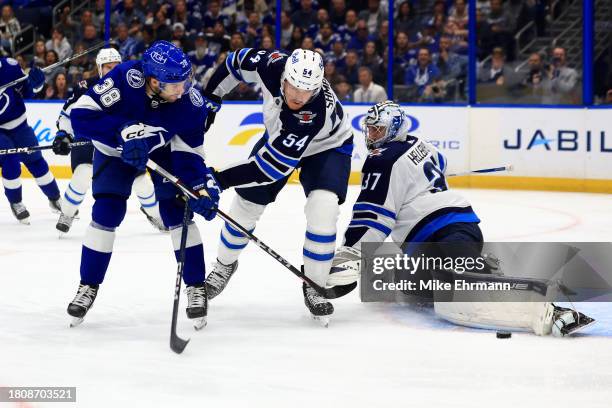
x,y
404,195
81,157
306,127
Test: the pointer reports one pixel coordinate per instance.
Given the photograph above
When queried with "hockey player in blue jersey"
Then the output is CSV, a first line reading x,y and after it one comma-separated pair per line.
x,y
306,128
404,195
82,156
15,132
149,110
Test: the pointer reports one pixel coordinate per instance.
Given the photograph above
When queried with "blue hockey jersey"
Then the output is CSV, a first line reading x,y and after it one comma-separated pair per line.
x,y
119,99
12,108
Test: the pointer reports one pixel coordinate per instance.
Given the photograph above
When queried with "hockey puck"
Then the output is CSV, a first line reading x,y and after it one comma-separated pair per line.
x,y
503,335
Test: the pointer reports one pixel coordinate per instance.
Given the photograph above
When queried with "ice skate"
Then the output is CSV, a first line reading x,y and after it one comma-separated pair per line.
x,y
320,308
64,223
219,277
21,213
197,305
82,302
155,222
55,205
567,322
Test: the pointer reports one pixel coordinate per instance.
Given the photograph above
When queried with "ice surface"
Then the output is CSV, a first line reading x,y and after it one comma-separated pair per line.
x,y
260,347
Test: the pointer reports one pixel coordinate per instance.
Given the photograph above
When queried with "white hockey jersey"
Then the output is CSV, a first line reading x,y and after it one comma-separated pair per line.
x,y
404,194
320,125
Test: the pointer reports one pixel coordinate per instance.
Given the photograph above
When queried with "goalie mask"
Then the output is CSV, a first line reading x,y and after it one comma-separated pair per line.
x,y
382,124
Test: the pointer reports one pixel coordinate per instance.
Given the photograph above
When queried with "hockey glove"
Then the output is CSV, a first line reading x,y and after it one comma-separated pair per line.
x,y
213,104
206,205
135,149
36,79
61,143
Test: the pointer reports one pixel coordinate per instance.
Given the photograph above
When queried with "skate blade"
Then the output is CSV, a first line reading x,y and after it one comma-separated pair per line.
x,y
199,323
76,321
322,320
580,328
25,221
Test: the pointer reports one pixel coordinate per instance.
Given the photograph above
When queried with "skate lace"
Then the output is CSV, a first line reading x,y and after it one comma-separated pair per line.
x,y
65,219
84,296
219,275
314,298
195,296
18,207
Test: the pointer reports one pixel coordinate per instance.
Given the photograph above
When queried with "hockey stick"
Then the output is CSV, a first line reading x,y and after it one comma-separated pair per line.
x,y
482,171
329,293
57,64
32,149
176,343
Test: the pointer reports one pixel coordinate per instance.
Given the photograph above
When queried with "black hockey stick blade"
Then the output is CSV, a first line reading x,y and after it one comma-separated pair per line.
x,y
176,343
329,293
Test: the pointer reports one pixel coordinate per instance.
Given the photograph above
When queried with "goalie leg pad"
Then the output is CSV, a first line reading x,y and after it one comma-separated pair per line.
x,y
232,241
322,212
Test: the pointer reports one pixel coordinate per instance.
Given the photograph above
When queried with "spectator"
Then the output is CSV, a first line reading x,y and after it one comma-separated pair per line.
x,y
236,42
425,38
326,37
129,12
351,67
458,37
296,38
201,57
286,29
214,15
322,18
374,62
218,40
608,100
499,23
421,75
459,14
50,59
349,29
127,46
337,55
80,66
402,52
307,44
495,71
192,24
59,89
209,73
343,91
382,38
561,79
179,37
9,27
59,44
161,25
337,12
39,53
305,16
90,36
537,73
267,43
331,73
373,16
359,41
368,91
147,7
252,30
406,21
450,64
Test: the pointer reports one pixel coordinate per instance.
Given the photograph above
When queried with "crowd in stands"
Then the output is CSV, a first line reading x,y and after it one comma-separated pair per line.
x,y
430,43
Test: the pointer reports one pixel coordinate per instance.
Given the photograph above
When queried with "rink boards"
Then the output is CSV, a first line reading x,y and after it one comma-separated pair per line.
x,y
551,149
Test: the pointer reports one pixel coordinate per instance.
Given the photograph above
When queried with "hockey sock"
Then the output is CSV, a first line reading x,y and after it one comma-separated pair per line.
x,y
193,270
76,190
321,216
232,241
144,189
11,170
45,180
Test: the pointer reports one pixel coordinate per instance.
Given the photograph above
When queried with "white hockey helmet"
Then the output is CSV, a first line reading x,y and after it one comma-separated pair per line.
x,y
106,56
387,118
304,70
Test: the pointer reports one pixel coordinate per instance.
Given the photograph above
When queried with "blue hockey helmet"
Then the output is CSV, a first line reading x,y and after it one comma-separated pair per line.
x,y
166,62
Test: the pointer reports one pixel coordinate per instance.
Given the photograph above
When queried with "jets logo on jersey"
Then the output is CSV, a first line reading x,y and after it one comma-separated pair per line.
x,y
135,78
196,98
275,56
377,152
305,117
159,58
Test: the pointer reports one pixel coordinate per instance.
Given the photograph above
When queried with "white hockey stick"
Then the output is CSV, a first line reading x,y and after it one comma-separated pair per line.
x,y
482,171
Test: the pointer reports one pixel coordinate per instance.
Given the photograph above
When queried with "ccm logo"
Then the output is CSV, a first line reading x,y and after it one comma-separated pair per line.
x,y
134,135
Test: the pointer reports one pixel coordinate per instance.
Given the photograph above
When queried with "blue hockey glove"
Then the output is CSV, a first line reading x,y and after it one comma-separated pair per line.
x,y
61,143
206,205
135,149
36,79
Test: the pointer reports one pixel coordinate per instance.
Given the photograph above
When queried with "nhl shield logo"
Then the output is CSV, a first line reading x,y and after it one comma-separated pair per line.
x,y
305,117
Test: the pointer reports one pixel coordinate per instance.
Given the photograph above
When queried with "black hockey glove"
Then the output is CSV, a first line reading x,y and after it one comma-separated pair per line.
x,y
61,143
